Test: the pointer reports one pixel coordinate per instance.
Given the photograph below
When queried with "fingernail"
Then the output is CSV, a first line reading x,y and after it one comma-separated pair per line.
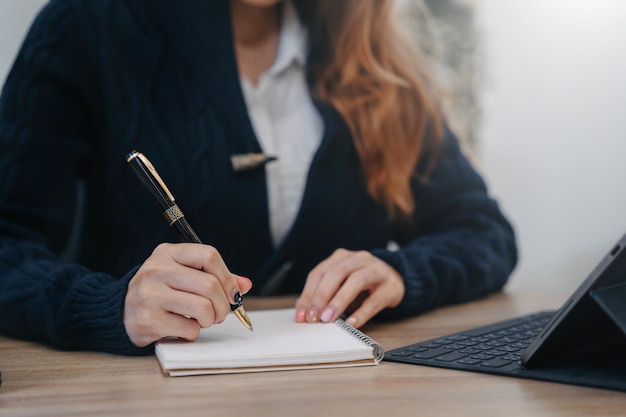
x,y
312,315
351,321
238,298
301,315
327,314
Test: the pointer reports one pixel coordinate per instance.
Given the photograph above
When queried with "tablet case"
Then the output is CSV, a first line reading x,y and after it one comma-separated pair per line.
x,y
613,302
586,343
583,343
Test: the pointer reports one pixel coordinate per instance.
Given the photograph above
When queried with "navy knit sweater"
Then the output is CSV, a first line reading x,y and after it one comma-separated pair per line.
x,y
96,79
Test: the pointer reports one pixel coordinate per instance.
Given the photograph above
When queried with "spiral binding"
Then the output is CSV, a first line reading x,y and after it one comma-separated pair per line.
x,y
378,350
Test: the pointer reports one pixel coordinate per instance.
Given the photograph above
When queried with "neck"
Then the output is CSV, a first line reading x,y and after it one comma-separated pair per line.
x,y
256,31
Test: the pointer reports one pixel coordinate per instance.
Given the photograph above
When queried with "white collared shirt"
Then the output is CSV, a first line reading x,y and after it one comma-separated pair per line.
x,y
286,123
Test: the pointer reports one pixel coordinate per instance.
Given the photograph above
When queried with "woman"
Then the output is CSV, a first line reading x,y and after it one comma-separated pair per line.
x,y
370,208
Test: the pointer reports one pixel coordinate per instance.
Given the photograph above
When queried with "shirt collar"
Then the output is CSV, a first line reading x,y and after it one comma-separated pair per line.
x,y
291,42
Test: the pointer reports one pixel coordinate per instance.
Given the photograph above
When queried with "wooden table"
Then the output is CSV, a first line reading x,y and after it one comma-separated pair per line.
x,y
39,381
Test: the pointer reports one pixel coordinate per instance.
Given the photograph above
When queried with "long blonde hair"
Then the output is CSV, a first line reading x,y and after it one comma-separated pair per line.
x,y
369,66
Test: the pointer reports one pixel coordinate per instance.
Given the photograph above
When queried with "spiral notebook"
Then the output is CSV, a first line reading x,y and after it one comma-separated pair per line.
x,y
277,343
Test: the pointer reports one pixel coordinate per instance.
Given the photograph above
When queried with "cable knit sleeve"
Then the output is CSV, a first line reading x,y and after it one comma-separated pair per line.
x,y
46,117
466,248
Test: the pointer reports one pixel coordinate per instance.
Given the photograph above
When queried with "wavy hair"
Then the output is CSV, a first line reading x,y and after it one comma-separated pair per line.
x,y
366,61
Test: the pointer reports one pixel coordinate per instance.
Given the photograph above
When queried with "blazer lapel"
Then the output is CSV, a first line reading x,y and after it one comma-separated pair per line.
x,y
204,29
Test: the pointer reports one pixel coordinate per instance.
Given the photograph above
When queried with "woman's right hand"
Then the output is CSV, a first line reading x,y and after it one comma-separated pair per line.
x,y
178,290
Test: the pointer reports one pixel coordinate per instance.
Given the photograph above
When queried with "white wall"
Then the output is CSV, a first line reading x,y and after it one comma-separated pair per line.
x,y
15,18
554,130
553,137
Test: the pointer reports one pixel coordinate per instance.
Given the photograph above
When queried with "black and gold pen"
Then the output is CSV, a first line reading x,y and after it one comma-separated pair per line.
x,y
162,196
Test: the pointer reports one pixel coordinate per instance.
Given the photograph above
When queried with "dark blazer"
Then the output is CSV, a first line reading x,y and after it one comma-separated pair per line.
x,y
96,79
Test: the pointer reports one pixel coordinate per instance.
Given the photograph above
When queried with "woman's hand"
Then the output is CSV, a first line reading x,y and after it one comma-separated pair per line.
x,y
178,290
342,279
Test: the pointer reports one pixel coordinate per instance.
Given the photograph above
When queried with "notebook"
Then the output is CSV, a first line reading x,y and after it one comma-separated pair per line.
x,y
277,343
582,343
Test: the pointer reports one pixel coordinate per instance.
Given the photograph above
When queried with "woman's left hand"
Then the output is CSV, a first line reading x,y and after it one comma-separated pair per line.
x,y
338,281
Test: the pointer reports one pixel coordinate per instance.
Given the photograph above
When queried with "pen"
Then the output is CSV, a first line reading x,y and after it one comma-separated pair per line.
x,y
162,196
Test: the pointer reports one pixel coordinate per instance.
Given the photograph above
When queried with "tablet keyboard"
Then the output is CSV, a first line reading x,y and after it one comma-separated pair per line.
x,y
496,348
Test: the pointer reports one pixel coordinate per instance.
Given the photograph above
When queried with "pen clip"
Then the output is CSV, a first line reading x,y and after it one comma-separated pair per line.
x,y
157,188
